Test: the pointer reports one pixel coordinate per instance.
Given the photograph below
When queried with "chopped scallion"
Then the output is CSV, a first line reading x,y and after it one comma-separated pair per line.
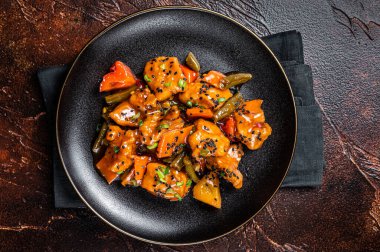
x,y
166,171
170,190
163,126
153,146
222,99
189,104
161,175
178,197
116,149
135,116
189,182
146,78
182,83
204,152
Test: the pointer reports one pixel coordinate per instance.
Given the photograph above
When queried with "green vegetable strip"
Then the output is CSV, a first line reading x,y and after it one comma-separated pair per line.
x,y
147,79
120,96
190,169
153,146
236,79
98,142
228,107
161,175
192,62
177,162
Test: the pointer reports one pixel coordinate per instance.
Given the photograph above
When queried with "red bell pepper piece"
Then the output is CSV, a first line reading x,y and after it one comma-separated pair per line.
x,y
229,127
190,75
121,76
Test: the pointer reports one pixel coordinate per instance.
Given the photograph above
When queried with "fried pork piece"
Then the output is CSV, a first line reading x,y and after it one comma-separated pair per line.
x,y
208,140
125,115
172,140
205,95
165,182
164,77
152,128
229,165
143,100
252,130
120,152
149,128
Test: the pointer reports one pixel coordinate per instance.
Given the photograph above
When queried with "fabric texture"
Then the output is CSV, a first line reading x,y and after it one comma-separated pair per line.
x,y
306,169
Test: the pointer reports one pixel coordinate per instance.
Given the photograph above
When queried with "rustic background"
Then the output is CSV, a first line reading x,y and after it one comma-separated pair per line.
x,y
342,44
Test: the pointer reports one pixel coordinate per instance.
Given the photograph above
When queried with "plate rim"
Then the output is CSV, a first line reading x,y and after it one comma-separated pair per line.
x,y
130,16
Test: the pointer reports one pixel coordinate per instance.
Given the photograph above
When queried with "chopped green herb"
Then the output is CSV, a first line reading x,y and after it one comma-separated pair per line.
x,y
116,149
172,102
222,99
167,84
189,182
178,197
134,117
182,84
204,152
161,175
153,146
163,126
166,171
147,79
202,107
189,104
179,183
182,145
120,172
134,183
170,190
162,66
141,123
222,174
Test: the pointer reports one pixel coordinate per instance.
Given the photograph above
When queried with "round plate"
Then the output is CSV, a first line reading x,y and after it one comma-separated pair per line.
x,y
219,43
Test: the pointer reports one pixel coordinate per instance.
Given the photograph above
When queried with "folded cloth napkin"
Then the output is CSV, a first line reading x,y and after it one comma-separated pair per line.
x,y
307,166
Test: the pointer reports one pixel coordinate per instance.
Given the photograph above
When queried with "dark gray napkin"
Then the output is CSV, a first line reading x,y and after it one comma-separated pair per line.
x,y
307,166
306,169
51,80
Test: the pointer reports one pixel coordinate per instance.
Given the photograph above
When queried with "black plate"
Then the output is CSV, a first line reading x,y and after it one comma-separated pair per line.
x,y
219,43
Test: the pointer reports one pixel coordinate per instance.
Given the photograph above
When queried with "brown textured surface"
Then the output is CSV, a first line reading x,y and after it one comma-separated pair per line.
x,y
342,44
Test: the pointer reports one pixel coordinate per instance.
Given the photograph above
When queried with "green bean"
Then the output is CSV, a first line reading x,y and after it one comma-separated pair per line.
x,y
236,79
197,167
120,96
177,162
192,62
190,169
98,142
228,107
106,111
168,160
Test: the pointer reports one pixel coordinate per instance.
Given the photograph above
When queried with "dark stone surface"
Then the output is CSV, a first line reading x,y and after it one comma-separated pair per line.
x,y
342,45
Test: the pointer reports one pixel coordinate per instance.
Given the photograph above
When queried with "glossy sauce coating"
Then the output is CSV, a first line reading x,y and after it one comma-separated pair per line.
x,y
165,132
205,95
166,182
208,140
164,77
251,127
